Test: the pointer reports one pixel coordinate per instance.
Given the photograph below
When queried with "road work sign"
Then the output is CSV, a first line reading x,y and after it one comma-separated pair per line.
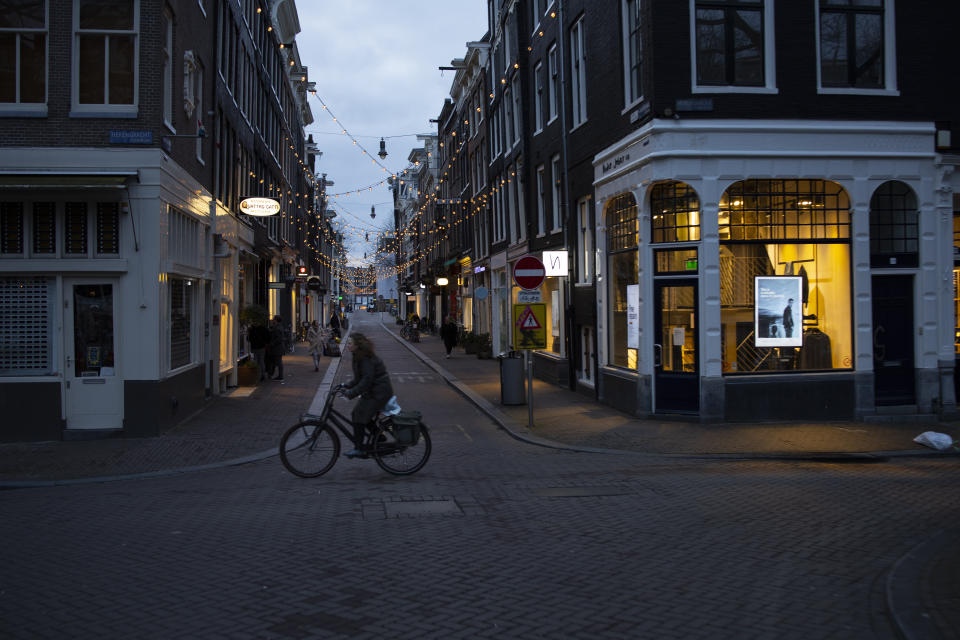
x,y
530,326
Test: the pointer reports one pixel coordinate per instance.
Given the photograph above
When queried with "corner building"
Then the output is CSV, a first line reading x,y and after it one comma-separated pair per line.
x,y
774,239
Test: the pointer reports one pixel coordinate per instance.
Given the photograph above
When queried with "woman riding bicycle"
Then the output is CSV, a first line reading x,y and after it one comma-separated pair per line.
x,y
371,382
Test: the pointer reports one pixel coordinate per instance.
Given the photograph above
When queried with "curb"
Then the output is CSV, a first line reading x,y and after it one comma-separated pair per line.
x,y
521,433
905,588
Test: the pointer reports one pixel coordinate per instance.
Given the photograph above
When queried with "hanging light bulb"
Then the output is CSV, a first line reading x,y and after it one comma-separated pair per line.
x,y
383,149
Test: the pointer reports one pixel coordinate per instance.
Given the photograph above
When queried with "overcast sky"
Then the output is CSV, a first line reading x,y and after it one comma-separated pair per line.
x,y
375,65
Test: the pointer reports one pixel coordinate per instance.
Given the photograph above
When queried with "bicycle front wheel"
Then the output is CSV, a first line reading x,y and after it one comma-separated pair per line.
x,y
309,449
398,459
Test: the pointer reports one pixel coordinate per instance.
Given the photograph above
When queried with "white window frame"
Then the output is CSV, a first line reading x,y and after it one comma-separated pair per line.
x,y
35,109
554,84
585,254
555,180
628,100
541,204
889,57
578,74
769,56
105,109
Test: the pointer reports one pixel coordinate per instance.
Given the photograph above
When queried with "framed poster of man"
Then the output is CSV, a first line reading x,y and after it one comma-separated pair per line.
x,y
777,311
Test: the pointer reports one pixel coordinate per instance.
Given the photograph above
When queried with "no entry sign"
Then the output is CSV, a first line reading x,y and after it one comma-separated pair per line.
x,y
528,272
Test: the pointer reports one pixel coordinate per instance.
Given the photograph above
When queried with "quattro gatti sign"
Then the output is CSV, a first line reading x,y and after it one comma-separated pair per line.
x,y
260,207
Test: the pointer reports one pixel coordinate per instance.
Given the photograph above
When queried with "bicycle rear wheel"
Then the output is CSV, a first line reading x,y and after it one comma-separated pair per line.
x,y
398,459
309,449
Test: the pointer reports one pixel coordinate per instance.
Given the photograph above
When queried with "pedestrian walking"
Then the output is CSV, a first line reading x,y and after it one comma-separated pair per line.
x,y
371,382
276,348
259,336
315,340
448,333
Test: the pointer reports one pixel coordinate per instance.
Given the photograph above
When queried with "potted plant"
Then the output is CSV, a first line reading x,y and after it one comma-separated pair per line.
x,y
484,346
469,342
248,373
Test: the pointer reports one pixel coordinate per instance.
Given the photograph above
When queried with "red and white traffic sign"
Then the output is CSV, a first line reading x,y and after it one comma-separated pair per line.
x,y
528,272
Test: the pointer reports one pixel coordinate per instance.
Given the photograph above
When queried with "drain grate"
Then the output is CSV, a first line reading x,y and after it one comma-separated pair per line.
x,y
429,507
581,492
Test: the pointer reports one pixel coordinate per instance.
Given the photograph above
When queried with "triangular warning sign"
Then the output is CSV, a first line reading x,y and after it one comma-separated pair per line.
x,y
528,320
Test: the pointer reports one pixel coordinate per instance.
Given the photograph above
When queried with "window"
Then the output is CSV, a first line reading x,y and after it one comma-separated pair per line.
x,y
623,273
507,108
554,93
26,326
166,88
35,229
798,228
632,51
517,110
23,54
585,261
894,226
555,175
537,7
578,73
674,213
729,41
198,99
105,60
538,98
181,307
851,43
541,196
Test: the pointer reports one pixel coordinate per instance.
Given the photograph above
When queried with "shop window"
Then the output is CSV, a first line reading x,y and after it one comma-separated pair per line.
x,y
623,275
674,213
894,226
785,277
44,227
11,228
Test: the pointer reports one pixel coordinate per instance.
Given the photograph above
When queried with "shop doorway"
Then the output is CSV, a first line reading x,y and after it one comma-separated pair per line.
x,y
675,352
893,351
93,389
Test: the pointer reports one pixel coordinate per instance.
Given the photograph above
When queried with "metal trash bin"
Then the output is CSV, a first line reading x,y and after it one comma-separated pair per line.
x,y
511,378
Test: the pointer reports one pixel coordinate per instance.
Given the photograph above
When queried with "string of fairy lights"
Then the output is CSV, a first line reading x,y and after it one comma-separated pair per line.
x,y
428,236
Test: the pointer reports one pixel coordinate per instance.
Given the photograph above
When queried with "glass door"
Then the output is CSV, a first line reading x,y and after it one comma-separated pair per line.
x,y
675,357
93,390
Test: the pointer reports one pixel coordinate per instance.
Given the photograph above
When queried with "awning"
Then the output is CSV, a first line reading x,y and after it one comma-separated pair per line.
x,y
73,180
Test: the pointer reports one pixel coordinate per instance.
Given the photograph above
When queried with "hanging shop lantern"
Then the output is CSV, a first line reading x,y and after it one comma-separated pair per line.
x,y
373,211
383,149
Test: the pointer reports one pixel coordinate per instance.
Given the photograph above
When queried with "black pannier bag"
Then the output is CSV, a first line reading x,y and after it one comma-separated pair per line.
x,y
406,427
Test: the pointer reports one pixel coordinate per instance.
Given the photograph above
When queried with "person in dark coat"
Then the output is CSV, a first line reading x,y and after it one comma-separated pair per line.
x,y
371,382
335,324
276,348
259,336
448,333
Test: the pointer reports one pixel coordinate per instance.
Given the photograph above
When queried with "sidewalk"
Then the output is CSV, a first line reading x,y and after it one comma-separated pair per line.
x,y
565,418
246,424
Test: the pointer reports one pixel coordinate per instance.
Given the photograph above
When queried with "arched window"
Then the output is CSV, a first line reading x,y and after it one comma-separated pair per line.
x,y
785,276
674,212
623,268
894,228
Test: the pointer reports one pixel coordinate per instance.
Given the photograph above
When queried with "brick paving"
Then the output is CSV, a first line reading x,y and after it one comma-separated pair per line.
x,y
489,540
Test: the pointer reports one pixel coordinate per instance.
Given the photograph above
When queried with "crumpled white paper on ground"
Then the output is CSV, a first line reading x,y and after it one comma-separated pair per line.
x,y
938,441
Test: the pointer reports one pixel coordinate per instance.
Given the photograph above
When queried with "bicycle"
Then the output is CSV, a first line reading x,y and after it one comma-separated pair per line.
x,y
410,331
399,444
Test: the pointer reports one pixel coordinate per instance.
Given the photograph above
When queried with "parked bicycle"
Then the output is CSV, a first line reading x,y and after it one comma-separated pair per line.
x,y
398,443
410,331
